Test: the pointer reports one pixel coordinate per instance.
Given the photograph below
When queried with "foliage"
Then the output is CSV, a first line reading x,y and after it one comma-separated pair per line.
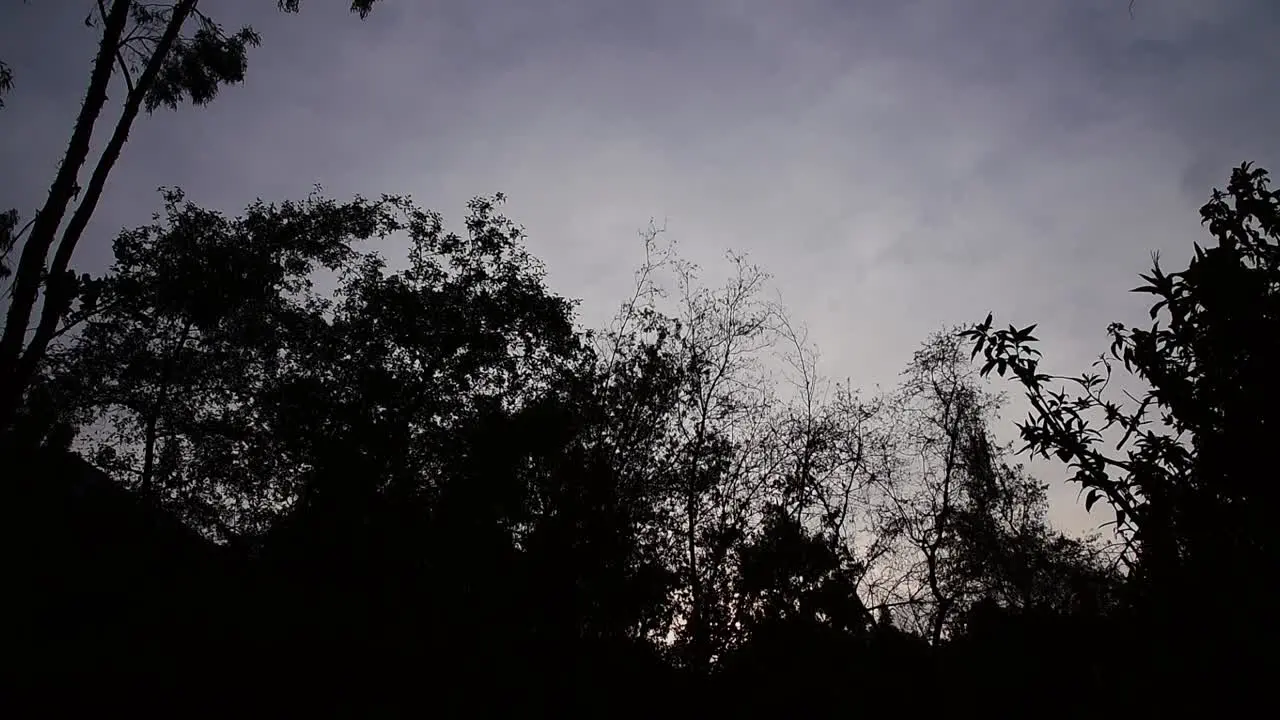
x,y
6,81
383,463
960,524
162,53
1188,472
1187,487
223,375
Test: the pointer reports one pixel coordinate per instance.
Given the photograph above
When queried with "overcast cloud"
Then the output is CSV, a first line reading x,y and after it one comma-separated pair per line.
x,y
897,165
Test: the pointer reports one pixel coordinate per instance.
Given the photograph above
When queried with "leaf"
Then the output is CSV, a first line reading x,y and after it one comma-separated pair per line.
x,y
1090,500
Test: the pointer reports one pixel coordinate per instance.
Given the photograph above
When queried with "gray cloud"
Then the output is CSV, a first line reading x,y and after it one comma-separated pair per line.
x,y
897,166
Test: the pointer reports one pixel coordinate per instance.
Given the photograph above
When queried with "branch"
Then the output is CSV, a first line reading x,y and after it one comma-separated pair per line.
x,y
35,251
124,67
52,309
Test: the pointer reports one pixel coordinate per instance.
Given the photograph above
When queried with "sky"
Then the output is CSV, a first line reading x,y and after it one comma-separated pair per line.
x,y
897,166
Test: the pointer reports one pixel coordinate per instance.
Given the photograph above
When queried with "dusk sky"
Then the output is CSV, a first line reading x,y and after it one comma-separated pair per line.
x,y
898,166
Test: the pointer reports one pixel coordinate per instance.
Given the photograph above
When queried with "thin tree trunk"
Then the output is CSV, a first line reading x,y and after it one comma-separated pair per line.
x,y
35,251
942,600
59,286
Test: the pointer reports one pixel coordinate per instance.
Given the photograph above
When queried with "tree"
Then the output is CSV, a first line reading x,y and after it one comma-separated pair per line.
x,y
436,426
1186,487
959,525
431,465
199,316
718,447
160,66
789,576
225,381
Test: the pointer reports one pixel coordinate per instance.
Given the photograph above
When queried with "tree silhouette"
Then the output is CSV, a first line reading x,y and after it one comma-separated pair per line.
x,y
313,457
1187,490
163,53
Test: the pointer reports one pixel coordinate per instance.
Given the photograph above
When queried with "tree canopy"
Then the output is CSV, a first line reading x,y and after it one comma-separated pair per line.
x,y
164,54
422,458
322,444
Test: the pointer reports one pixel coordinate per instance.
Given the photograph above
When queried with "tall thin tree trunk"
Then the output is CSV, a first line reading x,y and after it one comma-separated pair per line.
x,y
35,251
943,600
16,365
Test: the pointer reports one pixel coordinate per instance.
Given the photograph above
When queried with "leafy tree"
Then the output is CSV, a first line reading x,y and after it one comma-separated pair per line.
x,y
196,318
1186,473
443,425
431,465
1186,487
224,379
163,53
790,575
801,631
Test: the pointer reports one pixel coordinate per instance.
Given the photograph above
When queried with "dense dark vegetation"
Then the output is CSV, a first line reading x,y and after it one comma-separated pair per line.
x,y
261,457
429,479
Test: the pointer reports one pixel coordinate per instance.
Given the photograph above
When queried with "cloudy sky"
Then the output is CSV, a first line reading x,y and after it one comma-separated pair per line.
x,y
898,165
